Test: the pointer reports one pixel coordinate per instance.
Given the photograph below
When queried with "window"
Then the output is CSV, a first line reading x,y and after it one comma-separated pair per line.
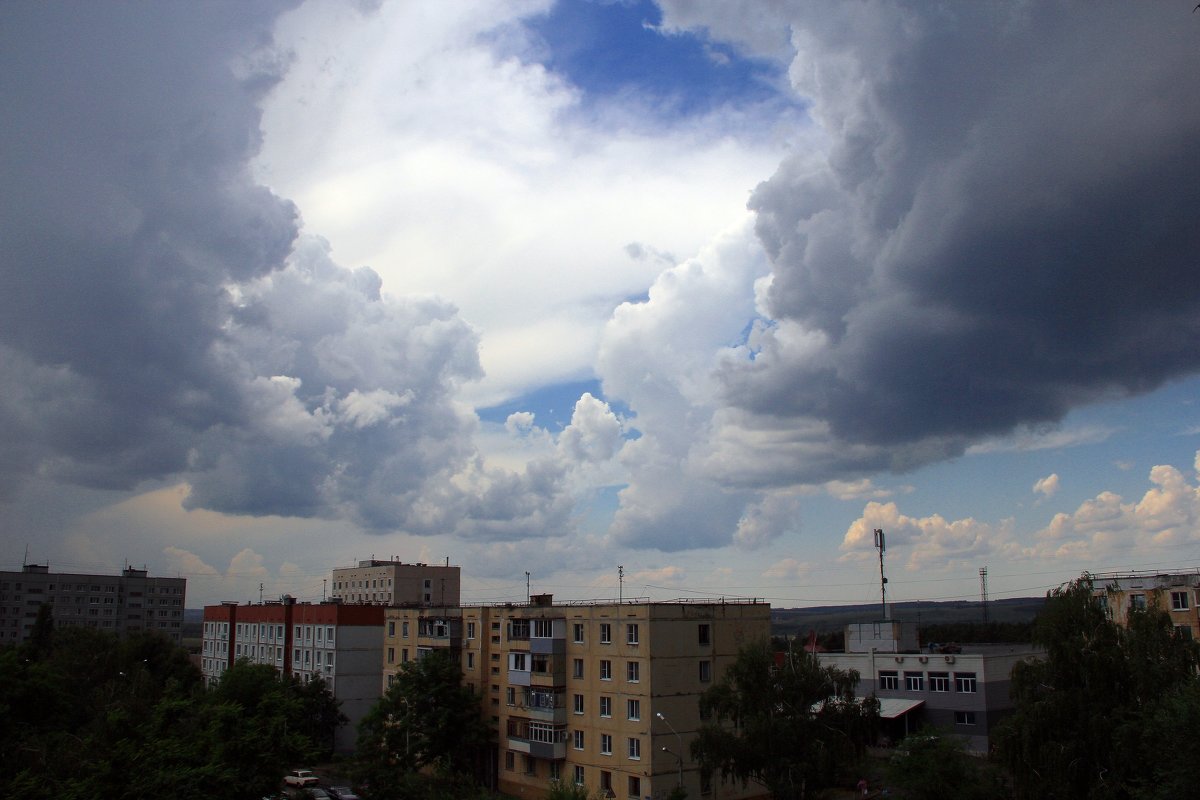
x,y
518,661
605,744
578,632
404,629
510,761
705,671
633,671
633,709
577,668
511,695
578,775
964,682
635,786
1183,631
889,679
470,630
635,748
631,633
939,681
1138,601
391,655
705,784
605,633
470,660
578,740
605,670
914,681
1179,601
555,770
578,701
964,717
704,634
543,628
605,706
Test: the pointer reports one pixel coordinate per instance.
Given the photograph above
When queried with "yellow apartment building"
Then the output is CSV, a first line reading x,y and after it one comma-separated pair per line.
x,y
1178,593
601,694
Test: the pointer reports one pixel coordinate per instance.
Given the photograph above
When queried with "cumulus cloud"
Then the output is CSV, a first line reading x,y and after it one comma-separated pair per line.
x,y
1106,527
1047,486
926,543
161,318
787,568
1104,530
998,230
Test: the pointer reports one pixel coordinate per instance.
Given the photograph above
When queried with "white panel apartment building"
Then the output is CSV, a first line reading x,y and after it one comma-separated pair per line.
x,y
394,583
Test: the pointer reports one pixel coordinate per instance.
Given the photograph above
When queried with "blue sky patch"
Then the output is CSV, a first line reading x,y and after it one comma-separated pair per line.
x,y
609,49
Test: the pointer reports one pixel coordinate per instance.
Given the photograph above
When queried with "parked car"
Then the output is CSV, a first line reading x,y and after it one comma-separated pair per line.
x,y
316,793
300,777
343,793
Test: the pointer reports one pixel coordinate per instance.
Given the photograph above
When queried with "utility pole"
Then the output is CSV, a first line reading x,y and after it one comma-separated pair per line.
x,y
528,595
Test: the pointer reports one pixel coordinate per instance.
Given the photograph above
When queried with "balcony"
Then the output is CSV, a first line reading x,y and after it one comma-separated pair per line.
x,y
538,739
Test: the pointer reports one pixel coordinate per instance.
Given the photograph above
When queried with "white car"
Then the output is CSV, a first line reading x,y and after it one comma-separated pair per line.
x,y
300,777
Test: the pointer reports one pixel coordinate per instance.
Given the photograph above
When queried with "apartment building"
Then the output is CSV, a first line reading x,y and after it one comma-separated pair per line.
x,y
342,644
1178,593
961,689
397,583
131,601
601,694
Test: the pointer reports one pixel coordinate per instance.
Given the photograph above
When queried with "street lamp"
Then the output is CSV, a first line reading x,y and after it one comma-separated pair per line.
x,y
678,755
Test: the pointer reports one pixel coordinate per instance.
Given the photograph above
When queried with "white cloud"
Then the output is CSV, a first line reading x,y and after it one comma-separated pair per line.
x,y
787,569
429,143
1047,487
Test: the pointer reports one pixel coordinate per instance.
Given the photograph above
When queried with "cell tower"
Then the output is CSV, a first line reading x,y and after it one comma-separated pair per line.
x,y
881,546
983,592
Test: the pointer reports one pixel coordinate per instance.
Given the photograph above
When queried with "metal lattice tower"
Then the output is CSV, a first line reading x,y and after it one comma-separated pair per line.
x,y
983,592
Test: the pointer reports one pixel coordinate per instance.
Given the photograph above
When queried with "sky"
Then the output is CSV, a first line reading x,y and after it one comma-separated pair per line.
x,y
668,299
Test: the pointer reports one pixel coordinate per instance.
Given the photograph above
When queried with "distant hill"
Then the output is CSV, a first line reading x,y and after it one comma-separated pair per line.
x,y
829,619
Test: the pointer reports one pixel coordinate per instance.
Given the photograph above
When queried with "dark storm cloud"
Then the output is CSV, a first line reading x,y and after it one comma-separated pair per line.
x,y
127,207
159,318
1005,226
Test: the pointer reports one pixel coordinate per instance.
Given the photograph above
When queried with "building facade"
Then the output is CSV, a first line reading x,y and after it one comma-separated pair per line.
x,y
961,689
397,583
603,695
341,644
131,601
1177,593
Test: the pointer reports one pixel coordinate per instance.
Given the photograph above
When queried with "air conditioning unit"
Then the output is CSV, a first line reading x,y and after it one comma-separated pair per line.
x,y
899,659
949,659
923,659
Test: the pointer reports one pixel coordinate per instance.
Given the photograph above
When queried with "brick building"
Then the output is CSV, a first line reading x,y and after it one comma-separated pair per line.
x,y
340,643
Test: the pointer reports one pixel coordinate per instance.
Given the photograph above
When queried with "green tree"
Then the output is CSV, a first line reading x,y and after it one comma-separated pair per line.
x,y
1082,713
427,720
794,728
933,766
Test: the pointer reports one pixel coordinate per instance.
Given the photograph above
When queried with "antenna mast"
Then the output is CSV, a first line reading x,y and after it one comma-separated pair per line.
x,y
621,584
528,596
881,546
